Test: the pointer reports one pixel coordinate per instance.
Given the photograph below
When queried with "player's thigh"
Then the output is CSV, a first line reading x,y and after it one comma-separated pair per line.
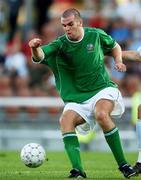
x,y
103,107
70,117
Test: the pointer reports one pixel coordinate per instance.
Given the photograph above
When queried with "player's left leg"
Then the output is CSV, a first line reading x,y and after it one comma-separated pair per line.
x,y
137,166
68,121
103,109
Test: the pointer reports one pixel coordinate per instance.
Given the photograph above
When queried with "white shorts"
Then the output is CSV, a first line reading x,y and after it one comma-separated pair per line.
x,y
86,108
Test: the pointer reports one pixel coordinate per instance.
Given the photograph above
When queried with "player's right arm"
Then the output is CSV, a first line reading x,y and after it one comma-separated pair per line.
x,y
42,53
36,50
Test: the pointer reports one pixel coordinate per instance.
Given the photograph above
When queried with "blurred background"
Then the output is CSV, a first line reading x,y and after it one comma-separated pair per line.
x,y
21,20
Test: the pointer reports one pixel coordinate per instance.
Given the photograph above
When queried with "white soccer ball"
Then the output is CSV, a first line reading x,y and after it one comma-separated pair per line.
x,y
33,155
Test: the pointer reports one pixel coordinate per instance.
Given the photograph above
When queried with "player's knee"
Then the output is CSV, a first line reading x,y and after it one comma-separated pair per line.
x,y
66,122
62,121
101,116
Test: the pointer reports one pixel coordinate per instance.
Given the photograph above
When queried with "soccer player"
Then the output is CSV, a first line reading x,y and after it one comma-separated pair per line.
x,y
77,61
136,56
137,166
132,55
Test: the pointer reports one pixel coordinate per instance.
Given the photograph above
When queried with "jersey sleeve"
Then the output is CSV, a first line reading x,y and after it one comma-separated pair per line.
x,y
107,42
50,49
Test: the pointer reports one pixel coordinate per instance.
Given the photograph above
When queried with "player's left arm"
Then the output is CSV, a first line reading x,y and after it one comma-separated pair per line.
x,y
116,53
110,46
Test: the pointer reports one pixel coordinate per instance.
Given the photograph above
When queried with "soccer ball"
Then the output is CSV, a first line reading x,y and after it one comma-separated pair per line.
x,y
33,155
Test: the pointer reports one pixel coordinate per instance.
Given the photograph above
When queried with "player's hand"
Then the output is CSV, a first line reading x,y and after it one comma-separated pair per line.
x,y
120,67
35,43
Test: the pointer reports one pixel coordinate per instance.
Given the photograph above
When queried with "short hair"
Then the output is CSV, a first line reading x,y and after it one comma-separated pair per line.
x,y
71,11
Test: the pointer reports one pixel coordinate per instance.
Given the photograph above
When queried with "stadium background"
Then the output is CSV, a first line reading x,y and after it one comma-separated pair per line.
x,y
22,20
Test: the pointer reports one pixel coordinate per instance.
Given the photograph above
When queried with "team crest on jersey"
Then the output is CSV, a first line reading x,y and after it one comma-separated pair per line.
x,y
90,47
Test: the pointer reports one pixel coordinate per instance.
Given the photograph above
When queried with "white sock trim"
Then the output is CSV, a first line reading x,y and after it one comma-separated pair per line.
x,y
111,132
69,135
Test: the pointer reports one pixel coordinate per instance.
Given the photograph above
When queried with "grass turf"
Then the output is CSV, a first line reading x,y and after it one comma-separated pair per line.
x,y
97,166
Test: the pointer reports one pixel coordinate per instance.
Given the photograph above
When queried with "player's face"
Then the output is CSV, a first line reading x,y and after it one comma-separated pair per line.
x,y
72,27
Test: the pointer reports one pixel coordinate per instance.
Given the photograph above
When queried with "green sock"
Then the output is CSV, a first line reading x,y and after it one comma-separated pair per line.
x,y
72,148
113,140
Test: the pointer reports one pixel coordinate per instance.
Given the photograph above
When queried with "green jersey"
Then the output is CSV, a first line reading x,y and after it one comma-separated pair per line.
x,y
79,67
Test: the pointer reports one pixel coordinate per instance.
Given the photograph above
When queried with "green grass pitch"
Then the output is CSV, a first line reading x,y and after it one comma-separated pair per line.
x,y
97,166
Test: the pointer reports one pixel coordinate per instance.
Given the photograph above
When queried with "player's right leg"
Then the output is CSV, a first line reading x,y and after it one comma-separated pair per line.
x,y
68,121
137,166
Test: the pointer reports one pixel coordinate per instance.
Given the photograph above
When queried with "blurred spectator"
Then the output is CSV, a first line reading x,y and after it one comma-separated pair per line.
x,y
48,84
48,32
130,84
3,27
15,61
42,7
36,72
21,86
120,31
94,5
14,6
5,86
3,14
22,89
59,6
129,10
99,21
7,91
20,77
135,42
109,8
25,48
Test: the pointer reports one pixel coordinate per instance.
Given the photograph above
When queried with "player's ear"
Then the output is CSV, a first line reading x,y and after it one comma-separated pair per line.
x,y
80,22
